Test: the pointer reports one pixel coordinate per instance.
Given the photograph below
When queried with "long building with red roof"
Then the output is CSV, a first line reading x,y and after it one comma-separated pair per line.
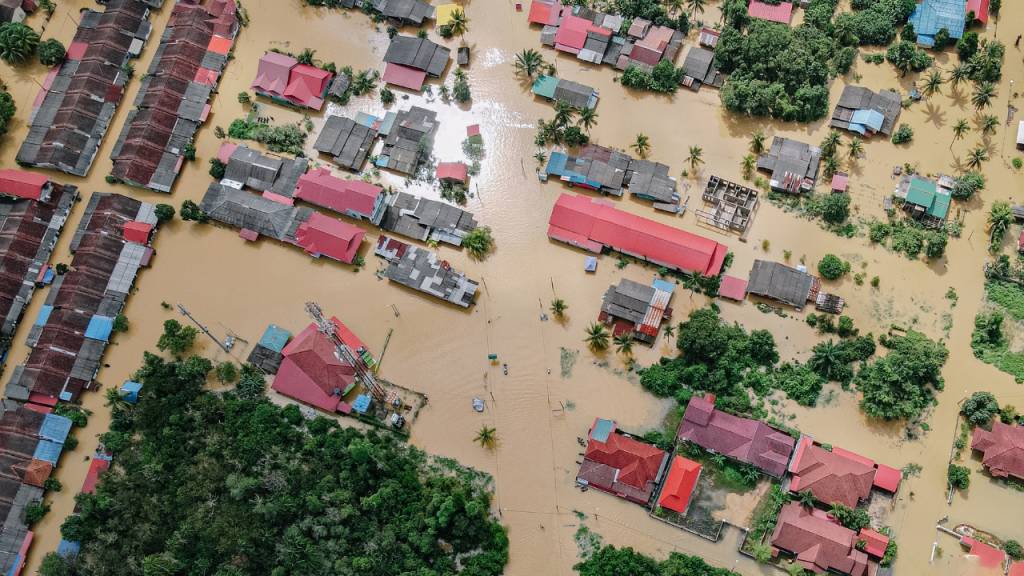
x,y
596,225
353,198
621,465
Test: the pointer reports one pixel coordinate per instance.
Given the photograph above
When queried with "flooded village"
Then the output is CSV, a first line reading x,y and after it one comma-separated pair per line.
x,y
654,316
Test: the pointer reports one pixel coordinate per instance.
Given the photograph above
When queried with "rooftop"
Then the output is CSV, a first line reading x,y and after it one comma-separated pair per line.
x,y
617,463
831,477
1002,449
743,439
679,484
782,283
793,165
819,544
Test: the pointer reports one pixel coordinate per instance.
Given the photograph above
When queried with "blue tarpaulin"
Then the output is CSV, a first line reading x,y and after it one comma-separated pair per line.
x,y
68,549
130,391
362,404
48,277
55,428
274,338
48,451
664,286
99,328
44,314
872,119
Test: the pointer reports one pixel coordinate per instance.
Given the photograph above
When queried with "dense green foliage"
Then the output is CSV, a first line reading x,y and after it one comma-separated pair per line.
x,y
479,242
980,408
852,518
958,476
873,22
834,361
903,134
968,184
191,211
612,561
1014,550
899,385
652,10
664,77
7,109
176,339
835,208
289,138
831,267
221,484
18,43
164,213
51,52
909,237
906,56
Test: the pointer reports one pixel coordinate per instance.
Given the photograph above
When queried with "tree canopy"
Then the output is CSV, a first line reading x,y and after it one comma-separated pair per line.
x,y
900,384
612,561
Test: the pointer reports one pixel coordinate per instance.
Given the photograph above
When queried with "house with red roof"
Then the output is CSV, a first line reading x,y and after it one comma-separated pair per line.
x,y
875,543
452,173
818,544
281,78
595,225
621,465
137,232
1002,449
24,184
830,476
742,439
1016,569
980,10
781,12
311,371
988,556
353,198
324,236
679,484
544,12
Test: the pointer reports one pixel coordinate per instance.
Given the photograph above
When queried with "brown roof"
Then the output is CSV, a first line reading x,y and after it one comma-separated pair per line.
x,y
1002,448
37,472
831,477
746,440
818,543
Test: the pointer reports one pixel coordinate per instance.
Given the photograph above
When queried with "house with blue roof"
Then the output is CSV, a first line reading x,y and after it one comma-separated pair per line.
x,y
930,16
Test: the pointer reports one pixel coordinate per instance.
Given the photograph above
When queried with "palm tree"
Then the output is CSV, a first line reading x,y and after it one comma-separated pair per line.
x,y
487,437
933,83
999,220
540,157
748,166
564,113
976,157
757,142
624,344
479,242
695,157
307,57
831,166
959,130
827,361
958,75
458,23
830,143
696,7
529,62
983,95
18,43
641,145
597,337
588,118
856,148
669,330
674,6
989,123
558,307
806,499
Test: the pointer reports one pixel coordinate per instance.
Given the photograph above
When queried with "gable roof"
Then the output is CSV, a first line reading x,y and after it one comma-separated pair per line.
x,y
351,197
1002,448
418,53
780,282
679,484
636,465
22,183
456,171
819,544
831,477
324,236
311,372
781,12
307,85
930,16
743,439
980,10
273,72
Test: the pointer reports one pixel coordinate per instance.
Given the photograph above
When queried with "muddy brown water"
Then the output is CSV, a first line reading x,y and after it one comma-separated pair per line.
x,y
441,350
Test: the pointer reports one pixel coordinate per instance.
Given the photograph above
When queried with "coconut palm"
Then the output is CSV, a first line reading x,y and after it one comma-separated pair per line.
x,y
830,143
831,166
696,7
806,499
479,242
458,23
976,157
487,437
757,142
959,130
18,43
529,62
624,344
696,157
999,219
958,75
564,113
307,57
588,118
597,337
540,156
856,148
669,330
989,123
933,83
983,95
828,362
674,6
642,145
748,165
558,307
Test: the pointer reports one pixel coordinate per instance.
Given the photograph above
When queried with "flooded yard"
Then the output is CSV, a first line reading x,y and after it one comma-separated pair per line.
x,y
555,387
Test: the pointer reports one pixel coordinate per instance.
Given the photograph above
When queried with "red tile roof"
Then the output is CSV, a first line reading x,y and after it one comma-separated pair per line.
x,y
988,556
888,478
875,542
679,484
623,466
1002,448
830,476
22,183
96,467
819,545
781,12
404,76
750,441
322,235
311,372
733,288
840,181
593,224
544,12
980,9
307,86
137,232
273,72
37,472
572,33
1016,569
454,171
350,197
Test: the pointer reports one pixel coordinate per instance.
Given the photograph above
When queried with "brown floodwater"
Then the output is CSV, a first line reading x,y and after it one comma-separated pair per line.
x,y
233,285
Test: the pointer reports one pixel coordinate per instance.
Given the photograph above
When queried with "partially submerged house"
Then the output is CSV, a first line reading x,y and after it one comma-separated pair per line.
x,y
732,205
420,269
1002,449
781,283
699,69
819,544
353,198
865,112
793,165
348,142
749,441
781,13
839,476
637,309
925,199
73,327
283,79
411,12
425,219
408,139
173,101
313,373
452,173
554,89
931,16
13,10
619,464
680,482
268,353
410,60
78,99
611,171
594,225
275,176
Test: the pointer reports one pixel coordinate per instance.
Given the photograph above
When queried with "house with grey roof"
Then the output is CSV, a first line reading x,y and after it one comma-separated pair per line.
x,y
419,269
651,181
408,139
248,168
412,12
793,165
865,112
781,283
346,141
425,219
574,94
699,69
637,309
418,54
241,209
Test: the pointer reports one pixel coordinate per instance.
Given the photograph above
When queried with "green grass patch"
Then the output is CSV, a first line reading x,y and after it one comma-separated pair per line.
x,y
1007,295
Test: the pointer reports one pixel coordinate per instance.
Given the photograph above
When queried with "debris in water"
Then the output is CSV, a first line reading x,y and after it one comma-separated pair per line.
x,y
478,405
568,361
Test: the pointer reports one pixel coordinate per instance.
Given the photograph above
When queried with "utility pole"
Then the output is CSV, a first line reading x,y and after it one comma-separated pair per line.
x,y
204,329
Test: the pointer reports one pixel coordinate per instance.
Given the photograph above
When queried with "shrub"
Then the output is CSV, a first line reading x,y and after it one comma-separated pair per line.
x,y
958,476
35,511
386,96
980,408
1014,549
967,185
903,134
164,213
835,208
831,267
217,168
191,211
51,52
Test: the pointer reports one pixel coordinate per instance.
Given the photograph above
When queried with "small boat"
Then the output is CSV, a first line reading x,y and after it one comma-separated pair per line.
x,y
478,405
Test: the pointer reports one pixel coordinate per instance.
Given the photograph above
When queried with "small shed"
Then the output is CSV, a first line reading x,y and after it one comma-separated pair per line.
x,y
99,328
452,173
590,264
840,180
462,56
362,404
275,338
733,288
1020,135
137,232
130,391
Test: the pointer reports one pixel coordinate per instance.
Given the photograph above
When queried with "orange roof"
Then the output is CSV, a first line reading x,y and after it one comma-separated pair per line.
x,y
876,542
37,472
682,479
220,45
